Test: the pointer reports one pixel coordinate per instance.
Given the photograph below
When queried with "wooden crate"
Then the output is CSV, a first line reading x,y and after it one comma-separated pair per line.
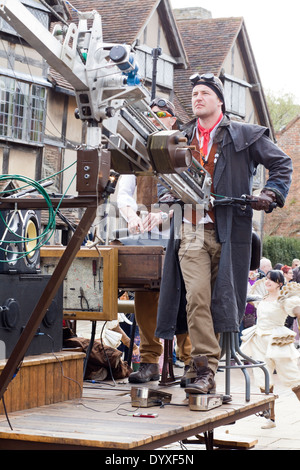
x,y
140,267
45,379
107,290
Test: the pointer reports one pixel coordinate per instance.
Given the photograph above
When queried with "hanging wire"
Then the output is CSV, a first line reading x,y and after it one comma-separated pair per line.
x,y
44,237
28,182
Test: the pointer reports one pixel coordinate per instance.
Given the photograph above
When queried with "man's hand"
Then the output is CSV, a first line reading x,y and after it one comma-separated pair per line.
x,y
138,225
264,200
152,220
135,224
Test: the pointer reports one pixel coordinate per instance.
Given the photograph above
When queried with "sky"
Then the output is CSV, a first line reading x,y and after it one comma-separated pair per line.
x,y
274,33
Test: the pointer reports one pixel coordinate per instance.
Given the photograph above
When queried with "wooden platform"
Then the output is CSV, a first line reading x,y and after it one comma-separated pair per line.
x,y
45,379
103,419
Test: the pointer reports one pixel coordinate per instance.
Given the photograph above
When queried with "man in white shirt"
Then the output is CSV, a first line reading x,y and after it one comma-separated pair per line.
x,y
127,203
146,302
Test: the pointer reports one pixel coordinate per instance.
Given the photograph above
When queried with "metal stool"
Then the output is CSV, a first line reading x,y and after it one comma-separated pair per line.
x,y
167,373
229,343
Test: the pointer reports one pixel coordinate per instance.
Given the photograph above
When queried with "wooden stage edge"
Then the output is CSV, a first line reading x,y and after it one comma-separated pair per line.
x,y
102,419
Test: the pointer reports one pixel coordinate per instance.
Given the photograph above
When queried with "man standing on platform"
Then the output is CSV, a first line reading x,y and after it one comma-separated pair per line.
x,y
146,303
214,255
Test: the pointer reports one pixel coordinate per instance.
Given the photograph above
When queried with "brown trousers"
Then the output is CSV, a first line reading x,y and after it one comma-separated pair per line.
x,y
199,257
145,306
151,348
184,346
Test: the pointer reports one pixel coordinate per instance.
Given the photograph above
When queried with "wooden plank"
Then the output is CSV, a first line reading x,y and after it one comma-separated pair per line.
x,y
102,419
226,441
84,315
68,371
33,379
41,384
24,390
84,252
45,379
49,384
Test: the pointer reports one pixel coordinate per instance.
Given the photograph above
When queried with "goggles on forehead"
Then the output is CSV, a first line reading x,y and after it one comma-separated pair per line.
x,y
160,114
161,103
206,77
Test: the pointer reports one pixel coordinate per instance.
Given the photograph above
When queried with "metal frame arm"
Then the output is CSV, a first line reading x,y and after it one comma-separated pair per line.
x,y
61,57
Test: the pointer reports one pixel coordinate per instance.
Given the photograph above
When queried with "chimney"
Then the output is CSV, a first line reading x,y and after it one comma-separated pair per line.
x,y
192,13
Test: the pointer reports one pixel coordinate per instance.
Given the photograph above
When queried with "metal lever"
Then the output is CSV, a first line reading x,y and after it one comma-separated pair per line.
x,y
243,201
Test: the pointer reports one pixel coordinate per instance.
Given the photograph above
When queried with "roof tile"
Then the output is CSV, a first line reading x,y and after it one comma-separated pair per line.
x,y
207,43
123,20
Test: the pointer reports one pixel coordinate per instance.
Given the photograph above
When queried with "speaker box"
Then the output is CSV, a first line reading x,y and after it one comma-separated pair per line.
x,y
19,295
19,230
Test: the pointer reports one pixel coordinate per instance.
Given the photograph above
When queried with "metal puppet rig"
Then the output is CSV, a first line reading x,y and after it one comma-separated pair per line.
x,y
113,103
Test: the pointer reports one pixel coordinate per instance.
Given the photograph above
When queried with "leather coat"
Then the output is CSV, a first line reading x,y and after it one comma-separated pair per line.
x,y
241,148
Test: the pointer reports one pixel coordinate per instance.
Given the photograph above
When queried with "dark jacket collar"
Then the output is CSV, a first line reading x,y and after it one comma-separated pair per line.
x,y
240,134
243,135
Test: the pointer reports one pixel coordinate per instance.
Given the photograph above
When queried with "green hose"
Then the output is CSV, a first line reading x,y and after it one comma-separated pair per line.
x,y
49,229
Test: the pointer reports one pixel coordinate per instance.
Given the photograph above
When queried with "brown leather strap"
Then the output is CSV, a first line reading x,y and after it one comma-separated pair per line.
x,y
146,191
210,168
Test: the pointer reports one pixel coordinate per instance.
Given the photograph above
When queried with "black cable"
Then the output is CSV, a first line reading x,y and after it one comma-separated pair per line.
x,y
6,414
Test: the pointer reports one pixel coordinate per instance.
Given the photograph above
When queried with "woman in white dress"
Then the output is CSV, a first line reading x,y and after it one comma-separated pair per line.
x,y
269,340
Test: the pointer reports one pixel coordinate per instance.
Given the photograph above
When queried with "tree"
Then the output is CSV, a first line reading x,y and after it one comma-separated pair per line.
x,y
281,249
283,108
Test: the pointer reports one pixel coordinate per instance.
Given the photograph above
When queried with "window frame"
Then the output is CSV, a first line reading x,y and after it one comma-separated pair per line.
x,y
235,95
164,62
22,111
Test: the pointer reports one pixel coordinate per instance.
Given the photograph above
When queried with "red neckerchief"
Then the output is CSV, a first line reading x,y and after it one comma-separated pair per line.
x,y
205,135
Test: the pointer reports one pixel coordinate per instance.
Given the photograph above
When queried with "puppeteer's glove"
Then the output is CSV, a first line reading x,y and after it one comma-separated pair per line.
x,y
264,200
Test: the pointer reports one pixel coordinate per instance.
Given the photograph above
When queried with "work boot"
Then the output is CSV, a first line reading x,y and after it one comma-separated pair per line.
x,y
204,382
145,373
296,390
